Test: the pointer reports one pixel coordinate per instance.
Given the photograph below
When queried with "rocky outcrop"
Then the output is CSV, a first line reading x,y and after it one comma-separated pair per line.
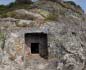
x,y
66,39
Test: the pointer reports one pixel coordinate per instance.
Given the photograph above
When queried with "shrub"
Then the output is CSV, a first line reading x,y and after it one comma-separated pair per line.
x,y
3,15
71,2
52,17
9,14
2,7
13,4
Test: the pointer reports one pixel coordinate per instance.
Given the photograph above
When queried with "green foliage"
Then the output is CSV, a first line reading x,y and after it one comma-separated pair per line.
x,y
52,17
71,2
1,35
9,14
72,6
3,15
12,6
2,7
51,7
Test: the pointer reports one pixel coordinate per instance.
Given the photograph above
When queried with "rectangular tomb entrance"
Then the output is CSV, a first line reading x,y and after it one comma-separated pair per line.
x,y
37,43
35,48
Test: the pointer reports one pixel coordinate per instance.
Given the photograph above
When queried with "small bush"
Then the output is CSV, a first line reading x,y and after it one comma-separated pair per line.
x,y
12,6
3,15
9,14
52,17
2,7
71,2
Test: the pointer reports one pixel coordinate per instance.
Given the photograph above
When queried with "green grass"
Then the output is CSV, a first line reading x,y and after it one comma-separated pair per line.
x,y
12,6
51,7
52,17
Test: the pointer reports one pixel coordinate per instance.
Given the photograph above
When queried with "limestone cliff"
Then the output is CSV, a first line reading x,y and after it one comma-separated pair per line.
x,y
65,26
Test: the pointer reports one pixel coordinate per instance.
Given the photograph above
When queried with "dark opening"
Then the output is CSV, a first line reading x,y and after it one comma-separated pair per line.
x,y
34,48
37,42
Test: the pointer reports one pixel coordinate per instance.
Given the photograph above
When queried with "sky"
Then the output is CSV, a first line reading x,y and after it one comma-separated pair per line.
x,y
82,3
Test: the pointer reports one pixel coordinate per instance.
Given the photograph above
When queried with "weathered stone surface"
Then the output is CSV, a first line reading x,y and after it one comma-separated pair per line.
x,y
66,43
27,14
25,23
66,40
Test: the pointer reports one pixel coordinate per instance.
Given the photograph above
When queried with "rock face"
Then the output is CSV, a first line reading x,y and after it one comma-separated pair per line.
x,y
66,40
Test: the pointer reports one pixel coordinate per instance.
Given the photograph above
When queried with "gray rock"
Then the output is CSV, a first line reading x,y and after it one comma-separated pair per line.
x,y
66,43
